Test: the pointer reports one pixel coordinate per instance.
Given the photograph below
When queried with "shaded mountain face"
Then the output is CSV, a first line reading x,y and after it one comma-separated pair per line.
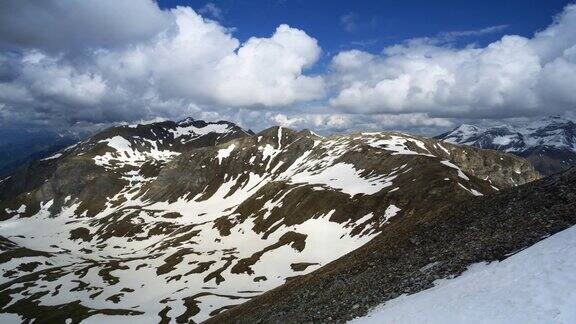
x,y
414,252
176,222
549,144
19,146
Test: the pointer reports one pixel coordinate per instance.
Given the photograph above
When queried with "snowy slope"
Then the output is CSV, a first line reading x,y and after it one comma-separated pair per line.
x,y
536,285
180,221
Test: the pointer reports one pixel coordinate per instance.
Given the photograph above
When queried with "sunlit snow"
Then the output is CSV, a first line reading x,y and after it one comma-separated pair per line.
x,y
535,285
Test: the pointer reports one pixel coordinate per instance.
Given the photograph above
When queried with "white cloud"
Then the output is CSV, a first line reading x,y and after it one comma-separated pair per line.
x,y
203,63
61,25
286,121
268,71
103,61
329,122
515,76
191,64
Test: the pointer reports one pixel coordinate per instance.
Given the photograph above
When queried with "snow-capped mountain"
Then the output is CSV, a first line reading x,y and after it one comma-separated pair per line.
x,y
550,143
177,222
506,257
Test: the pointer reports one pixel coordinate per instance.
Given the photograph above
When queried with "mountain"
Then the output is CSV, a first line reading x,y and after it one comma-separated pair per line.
x,y
179,221
497,292
19,146
423,268
549,144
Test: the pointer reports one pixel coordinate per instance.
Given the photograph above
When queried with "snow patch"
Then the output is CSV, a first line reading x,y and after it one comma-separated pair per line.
x,y
55,156
224,153
390,212
454,166
343,177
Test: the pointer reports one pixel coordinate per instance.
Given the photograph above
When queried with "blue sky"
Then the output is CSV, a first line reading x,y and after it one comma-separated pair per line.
x,y
372,25
331,66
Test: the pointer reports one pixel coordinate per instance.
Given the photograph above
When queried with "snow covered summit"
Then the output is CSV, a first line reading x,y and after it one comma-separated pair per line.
x,y
549,143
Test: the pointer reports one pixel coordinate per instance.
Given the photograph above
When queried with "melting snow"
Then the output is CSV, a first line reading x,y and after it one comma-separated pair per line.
x,y
454,166
125,154
198,131
118,143
472,191
390,212
397,144
320,167
224,153
344,177
443,148
55,156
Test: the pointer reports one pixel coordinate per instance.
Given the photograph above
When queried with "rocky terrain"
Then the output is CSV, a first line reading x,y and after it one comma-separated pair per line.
x,y
178,222
415,251
549,144
535,285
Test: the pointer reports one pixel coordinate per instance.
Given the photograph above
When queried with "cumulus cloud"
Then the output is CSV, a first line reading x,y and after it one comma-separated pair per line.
x,y
514,76
189,64
96,62
327,123
59,25
203,63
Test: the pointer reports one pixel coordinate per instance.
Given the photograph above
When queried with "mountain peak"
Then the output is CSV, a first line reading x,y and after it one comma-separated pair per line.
x,y
187,120
467,129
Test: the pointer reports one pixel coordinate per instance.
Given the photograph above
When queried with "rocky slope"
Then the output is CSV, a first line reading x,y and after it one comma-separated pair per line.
x,y
176,222
415,251
549,144
535,285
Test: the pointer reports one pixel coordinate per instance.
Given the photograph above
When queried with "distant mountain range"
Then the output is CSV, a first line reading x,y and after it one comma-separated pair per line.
x,y
21,146
549,144
181,221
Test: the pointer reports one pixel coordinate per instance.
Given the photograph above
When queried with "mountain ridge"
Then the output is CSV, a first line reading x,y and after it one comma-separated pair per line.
x,y
210,215
415,252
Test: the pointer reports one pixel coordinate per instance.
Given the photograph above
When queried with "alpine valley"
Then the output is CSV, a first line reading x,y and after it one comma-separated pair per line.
x,y
177,222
